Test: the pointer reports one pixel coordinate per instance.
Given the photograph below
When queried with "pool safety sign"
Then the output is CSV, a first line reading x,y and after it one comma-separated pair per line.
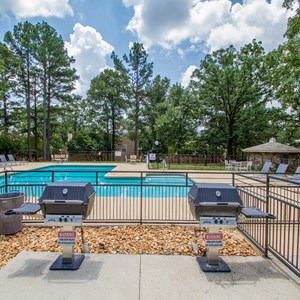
x,y
152,156
214,240
66,237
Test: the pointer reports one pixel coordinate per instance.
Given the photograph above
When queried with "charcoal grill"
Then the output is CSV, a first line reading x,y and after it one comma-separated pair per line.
x,y
218,206
64,204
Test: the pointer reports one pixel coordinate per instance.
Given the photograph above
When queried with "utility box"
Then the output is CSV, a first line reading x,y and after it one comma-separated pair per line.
x,y
10,224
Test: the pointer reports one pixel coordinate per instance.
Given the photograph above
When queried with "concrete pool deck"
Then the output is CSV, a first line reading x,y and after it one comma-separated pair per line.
x,y
145,277
129,170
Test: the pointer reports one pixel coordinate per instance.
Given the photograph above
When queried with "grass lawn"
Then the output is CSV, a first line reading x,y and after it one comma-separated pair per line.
x,y
192,167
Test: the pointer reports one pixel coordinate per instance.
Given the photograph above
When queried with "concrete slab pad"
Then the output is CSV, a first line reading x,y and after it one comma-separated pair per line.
x,y
180,277
107,276
143,277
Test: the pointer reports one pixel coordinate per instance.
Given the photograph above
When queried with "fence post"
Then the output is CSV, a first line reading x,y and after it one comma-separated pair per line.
x,y
141,199
186,179
52,176
6,181
233,179
267,220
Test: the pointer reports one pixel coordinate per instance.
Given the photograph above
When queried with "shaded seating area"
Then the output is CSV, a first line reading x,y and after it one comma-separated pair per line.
x,y
233,165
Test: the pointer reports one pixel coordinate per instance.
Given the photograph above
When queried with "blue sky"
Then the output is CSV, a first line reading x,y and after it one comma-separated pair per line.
x,y
176,33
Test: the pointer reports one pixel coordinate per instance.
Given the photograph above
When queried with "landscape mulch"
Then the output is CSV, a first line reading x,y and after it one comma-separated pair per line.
x,y
163,240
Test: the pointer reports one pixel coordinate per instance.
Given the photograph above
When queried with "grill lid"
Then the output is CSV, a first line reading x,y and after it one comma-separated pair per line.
x,y
206,194
71,192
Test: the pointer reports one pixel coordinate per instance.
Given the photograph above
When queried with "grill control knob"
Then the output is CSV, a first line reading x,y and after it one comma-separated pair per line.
x,y
216,221
65,219
60,219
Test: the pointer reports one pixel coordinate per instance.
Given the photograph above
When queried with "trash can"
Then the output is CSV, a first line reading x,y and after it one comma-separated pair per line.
x,y
10,224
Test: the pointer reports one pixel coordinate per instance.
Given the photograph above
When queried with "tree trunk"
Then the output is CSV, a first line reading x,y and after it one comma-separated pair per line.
x,y
35,131
45,118
230,142
136,128
5,114
28,111
113,130
48,154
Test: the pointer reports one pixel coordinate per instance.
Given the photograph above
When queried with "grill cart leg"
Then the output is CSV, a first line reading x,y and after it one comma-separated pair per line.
x,y
212,262
68,260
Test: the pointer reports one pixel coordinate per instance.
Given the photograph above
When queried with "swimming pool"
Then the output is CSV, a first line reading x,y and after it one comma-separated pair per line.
x,y
148,185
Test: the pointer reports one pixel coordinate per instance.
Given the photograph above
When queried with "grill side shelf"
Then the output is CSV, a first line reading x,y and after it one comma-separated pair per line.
x,y
24,209
254,212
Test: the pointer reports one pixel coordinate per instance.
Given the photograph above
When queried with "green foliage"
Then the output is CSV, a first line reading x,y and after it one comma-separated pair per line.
x,y
284,64
43,70
223,109
107,101
230,86
139,72
154,107
84,140
176,128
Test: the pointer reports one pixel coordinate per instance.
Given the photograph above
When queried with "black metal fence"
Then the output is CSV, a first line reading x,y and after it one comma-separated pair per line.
x,y
161,197
281,198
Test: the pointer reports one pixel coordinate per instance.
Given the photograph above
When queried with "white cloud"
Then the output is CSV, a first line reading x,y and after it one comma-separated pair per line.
x,y
89,50
35,8
257,19
186,76
218,23
160,22
128,3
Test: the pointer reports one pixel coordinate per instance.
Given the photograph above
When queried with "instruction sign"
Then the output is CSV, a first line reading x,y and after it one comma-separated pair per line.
x,y
66,237
214,240
118,153
152,156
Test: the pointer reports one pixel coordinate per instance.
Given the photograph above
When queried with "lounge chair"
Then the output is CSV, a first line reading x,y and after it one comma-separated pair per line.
x,y
132,159
64,158
17,162
4,161
229,165
56,157
280,172
265,169
246,166
139,160
296,177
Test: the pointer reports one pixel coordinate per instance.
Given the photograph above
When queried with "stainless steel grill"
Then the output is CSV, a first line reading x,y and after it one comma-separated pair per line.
x,y
217,206
64,204
214,200
68,198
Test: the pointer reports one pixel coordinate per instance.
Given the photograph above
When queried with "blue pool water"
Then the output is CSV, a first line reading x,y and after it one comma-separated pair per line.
x,y
151,185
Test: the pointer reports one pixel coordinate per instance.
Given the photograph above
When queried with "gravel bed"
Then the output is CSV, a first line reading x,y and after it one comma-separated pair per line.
x,y
163,240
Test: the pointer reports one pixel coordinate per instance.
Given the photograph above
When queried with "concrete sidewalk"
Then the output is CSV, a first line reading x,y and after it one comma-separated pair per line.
x,y
133,277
